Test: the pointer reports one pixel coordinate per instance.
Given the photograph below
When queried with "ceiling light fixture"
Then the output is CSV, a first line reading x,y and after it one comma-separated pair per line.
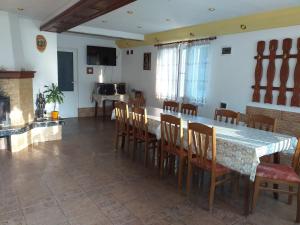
x,y
129,12
243,27
211,9
140,27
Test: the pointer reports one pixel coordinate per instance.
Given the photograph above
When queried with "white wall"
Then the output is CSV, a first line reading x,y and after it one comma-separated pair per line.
x,y
101,73
231,76
18,50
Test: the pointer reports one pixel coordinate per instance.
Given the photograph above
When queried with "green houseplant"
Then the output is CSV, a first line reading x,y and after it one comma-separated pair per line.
x,y
55,96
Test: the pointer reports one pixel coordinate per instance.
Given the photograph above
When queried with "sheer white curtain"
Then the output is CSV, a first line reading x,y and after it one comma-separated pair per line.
x,y
182,72
194,67
167,72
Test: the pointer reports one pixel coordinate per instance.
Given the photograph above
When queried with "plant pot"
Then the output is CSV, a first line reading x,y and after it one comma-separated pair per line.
x,y
54,115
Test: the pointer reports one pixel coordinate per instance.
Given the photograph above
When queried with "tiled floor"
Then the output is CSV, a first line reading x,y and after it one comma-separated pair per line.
x,y
81,181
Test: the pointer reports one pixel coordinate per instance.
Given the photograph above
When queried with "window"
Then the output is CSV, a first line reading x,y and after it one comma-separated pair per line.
x,y
182,72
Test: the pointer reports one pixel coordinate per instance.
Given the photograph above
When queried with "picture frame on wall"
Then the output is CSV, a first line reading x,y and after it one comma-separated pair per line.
x,y
147,61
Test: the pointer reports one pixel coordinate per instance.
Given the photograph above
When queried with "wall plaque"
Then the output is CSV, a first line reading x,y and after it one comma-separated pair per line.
x,y
41,43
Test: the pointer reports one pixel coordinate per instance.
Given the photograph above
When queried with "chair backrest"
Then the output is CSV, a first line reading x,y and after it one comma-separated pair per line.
x,y
189,109
122,116
171,132
137,102
139,122
200,139
171,105
296,158
262,122
227,114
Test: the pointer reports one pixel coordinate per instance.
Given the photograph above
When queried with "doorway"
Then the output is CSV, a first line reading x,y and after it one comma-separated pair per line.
x,y
68,82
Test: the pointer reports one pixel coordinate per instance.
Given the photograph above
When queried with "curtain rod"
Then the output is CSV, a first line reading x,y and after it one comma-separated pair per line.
x,y
187,41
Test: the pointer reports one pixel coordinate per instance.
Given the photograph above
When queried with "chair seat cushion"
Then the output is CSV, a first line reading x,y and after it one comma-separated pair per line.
x,y
208,166
277,172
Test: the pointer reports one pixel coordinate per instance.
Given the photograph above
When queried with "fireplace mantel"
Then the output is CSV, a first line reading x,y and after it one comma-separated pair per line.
x,y
16,74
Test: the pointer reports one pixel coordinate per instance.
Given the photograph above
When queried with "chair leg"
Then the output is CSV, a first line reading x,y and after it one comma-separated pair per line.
x,y
298,205
161,163
153,154
255,193
146,153
180,172
212,192
189,177
134,148
290,198
123,141
116,141
202,179
158,153
128,143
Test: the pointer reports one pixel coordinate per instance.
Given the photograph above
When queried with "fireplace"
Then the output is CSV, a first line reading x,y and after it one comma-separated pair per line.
x,y
4,110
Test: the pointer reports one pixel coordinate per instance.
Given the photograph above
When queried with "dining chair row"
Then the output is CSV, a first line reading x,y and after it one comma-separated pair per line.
x,y
202,150
186,108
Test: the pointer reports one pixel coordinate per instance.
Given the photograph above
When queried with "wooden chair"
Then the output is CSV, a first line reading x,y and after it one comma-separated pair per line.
x,y
123,128
172,144
189,109
141,134
277,173
200,138
227,114
264,123
171,105
137,102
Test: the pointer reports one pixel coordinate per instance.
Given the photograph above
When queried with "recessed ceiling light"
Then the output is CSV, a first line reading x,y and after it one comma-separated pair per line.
x,y
129,12
20,9
168,20
104,21
212,9
243,26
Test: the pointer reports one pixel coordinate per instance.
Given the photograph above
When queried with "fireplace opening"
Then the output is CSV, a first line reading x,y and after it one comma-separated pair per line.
x,y
4,110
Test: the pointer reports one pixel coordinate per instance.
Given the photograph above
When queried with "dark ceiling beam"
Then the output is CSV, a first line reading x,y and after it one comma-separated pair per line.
x,y
82,12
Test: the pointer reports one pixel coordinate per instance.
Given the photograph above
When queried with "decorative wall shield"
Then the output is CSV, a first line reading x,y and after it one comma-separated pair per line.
x,y
41,43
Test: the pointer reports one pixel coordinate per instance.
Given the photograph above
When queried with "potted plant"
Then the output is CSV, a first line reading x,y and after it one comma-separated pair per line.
x,y
54,95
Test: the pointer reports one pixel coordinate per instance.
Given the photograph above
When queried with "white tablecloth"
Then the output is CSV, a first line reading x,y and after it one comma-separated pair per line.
x,y
238,147
101,98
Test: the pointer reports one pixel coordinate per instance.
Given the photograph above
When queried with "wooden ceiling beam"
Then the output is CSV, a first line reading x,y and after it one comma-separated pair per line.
x,y
82,12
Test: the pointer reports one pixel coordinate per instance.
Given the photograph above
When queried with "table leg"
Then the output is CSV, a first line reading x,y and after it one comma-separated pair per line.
x,y
247,195
276,160
8,143
103,109
96,109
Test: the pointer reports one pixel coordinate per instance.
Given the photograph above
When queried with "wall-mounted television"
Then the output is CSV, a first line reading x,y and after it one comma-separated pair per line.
x,y
101,56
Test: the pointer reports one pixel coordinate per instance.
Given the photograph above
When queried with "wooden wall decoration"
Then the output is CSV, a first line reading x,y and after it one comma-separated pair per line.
x,y
284,73
271,71
296,94
41,43
258,70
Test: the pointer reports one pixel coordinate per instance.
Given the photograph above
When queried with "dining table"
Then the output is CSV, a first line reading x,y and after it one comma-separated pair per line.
x,y
238,147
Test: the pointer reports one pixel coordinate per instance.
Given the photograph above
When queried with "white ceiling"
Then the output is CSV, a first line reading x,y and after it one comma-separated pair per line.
x,y
35,9
150,15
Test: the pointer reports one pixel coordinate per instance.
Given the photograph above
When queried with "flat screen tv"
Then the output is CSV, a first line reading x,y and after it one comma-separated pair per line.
x,y
101,56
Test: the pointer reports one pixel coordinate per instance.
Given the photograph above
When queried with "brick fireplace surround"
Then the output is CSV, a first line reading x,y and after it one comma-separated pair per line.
x,y
23,130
